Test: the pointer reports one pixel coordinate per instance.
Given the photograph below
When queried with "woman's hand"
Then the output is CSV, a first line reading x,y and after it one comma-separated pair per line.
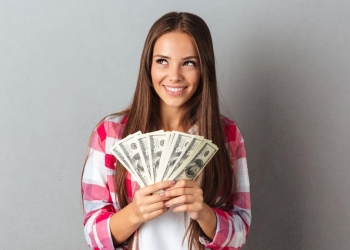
x,y
148,202
145,206
187,196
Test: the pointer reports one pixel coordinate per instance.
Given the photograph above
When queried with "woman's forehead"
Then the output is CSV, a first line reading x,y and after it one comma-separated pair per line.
x,y
175,44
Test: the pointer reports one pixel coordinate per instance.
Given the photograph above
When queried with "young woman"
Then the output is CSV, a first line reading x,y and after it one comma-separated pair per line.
x,y
176,90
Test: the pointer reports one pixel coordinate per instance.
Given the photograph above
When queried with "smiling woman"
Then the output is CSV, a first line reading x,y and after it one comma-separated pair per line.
x,y
175,73
176,90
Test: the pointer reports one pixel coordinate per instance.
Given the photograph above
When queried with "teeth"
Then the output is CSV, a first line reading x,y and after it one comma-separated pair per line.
x,y
173,89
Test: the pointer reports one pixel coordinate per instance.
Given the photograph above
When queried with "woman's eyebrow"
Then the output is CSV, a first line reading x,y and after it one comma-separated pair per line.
x,y
161,56
190,57
184,58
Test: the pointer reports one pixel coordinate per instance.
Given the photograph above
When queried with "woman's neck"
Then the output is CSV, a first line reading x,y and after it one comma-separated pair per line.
x,y
171,119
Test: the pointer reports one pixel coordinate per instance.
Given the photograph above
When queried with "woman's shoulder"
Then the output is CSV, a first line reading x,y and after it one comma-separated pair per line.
x,y
227,121
116,118
231,129
111,126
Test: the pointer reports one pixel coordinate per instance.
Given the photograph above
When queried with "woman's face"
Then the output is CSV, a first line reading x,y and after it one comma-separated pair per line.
x,y
175,69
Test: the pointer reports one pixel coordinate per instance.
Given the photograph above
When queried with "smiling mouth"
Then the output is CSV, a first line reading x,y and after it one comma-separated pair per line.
x,y
174,89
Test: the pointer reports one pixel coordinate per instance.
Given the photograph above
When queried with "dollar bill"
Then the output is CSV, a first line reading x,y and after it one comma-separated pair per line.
x,y
157,141
159,155
129,147
193,144
179,143
145,155
118,153
192,166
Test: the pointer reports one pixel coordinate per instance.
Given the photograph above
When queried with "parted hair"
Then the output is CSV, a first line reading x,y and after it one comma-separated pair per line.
x,y
218,178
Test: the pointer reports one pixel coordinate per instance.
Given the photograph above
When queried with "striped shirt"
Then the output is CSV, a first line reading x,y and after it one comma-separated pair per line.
x,y
99,194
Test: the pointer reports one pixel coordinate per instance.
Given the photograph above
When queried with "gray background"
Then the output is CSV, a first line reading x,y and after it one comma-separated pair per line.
x,y
283,69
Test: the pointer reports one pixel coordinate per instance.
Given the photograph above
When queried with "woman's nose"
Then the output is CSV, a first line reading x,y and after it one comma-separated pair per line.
x,y
175,74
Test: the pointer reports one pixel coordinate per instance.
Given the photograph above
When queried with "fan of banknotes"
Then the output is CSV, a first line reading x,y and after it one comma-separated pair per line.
x,y
159,155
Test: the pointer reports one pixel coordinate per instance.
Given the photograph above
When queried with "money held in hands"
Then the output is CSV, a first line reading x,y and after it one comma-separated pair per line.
x,y
159,155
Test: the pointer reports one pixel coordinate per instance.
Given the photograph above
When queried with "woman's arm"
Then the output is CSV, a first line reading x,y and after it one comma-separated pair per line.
x,y
224,229
104,224
233,226
97,181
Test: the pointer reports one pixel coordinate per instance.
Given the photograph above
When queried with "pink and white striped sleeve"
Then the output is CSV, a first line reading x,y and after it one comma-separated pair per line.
x,y
233,226
98,191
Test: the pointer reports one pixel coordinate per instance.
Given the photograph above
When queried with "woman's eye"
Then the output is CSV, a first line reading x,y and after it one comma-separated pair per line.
x,y
189,63
162,61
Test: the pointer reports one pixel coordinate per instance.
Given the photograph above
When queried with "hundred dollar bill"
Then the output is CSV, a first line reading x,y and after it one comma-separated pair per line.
x,y
181,141
118,153
163,159
166,148
145,155
186,152
129,147
193,165
115,150
171,138
157,141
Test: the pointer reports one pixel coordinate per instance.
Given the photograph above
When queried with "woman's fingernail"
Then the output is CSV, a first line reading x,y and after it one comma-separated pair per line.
x,y
167,204
172,182
162,194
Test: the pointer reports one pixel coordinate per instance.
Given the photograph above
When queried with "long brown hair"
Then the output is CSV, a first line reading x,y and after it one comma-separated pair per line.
x,y
217,180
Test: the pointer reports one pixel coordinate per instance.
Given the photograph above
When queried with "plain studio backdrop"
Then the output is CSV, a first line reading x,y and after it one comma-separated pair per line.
x,y
283,72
